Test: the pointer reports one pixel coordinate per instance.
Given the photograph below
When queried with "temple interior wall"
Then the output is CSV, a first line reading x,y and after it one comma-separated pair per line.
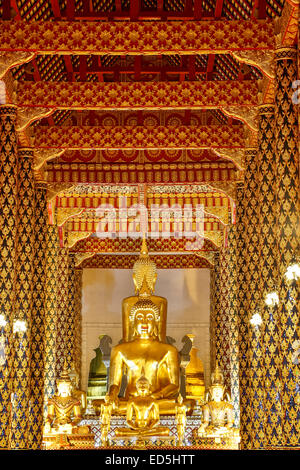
x,y
187,291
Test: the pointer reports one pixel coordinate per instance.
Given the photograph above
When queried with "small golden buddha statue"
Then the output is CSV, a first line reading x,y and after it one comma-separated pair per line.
x,y
144,279
180,410
142,415
218,416
76,392
145,352
64,410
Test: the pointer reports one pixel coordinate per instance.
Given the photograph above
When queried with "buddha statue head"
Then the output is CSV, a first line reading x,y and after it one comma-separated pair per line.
x,y
217,387
144,317
64,384
144,272
143,385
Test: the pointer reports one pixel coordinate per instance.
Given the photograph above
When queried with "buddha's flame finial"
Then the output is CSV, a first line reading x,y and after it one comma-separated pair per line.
x,y
217,376
144,248
144,272
64,376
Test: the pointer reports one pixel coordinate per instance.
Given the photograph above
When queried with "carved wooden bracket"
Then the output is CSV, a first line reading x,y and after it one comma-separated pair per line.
x,y
248,115
28,115
63,214
12,59
42,156
263,60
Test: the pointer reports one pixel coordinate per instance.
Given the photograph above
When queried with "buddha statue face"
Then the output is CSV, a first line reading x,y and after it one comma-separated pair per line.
x,y
144,324
143,386
217,392
64,388
144,316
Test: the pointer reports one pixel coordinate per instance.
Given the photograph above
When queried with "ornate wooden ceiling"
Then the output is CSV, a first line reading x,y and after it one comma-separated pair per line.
x,y
119,100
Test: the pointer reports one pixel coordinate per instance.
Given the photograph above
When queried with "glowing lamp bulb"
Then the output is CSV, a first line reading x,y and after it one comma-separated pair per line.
x,y
293,272
272,299
3,322
256,319
19,326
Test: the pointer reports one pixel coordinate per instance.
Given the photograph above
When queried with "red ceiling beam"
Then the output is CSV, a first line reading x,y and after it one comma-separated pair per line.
x,y
70,9
135,6
219,8
55,8
198,9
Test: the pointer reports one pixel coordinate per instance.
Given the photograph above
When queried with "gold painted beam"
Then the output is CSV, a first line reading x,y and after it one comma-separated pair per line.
x,y
139,137
137,95
132,245
162,261
138,37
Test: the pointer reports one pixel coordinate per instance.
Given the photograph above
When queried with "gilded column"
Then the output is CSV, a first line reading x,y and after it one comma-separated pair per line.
x,y
8,231
287,179
214,289
23,303
232,321
51,295
78,320
71,314
63,292
251,367
269,259
243,323
224,326
38,320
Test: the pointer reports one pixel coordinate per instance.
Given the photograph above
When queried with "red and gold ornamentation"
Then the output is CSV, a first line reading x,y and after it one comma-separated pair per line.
x,y
126,245
138,95
161,261
147,38
60,176
139,137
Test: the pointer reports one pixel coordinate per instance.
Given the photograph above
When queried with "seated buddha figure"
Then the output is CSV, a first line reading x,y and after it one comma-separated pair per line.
x,y
76,392
145,352
64,410
218,416
142,416
144,279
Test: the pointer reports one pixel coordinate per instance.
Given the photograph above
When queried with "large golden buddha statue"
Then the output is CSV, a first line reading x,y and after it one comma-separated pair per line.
x,y
146,352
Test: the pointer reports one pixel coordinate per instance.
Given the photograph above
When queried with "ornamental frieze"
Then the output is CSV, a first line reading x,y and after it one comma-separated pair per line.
x,y
139,137
137,95
124,37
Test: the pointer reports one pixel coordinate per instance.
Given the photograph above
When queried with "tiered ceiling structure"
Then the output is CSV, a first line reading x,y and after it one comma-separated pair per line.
x,y
152,100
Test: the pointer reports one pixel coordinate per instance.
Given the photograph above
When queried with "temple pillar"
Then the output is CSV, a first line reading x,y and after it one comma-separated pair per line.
x,y
62,325
287,185
51,296
38,320
78,320
269,259
8,230
23,301
249,301
70,314
224,325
